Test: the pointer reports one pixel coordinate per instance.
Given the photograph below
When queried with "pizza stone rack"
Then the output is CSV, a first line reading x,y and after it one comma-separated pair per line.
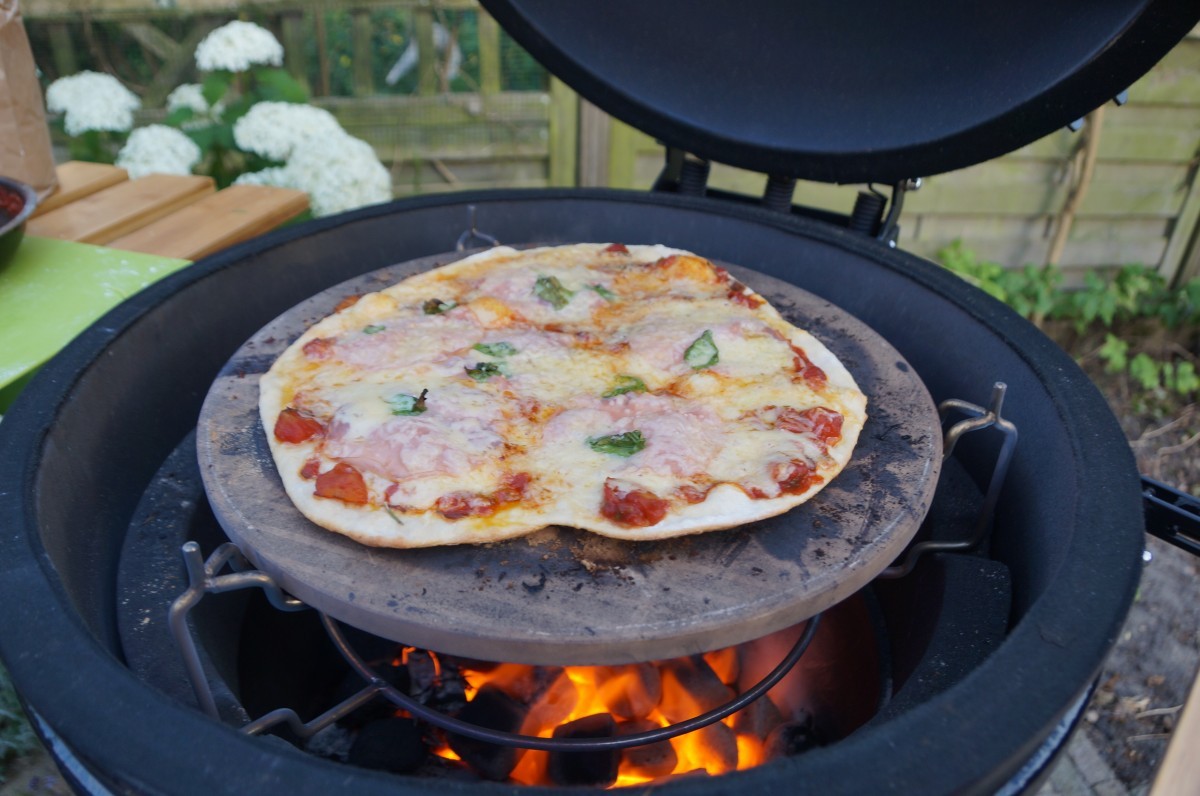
x,y
522,600
209,577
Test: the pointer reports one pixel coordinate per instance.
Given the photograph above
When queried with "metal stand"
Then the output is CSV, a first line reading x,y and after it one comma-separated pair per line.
x,y
472,238
977,419
204,579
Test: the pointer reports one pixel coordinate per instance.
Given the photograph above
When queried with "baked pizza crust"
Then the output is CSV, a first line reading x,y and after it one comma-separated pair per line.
x,y
576,503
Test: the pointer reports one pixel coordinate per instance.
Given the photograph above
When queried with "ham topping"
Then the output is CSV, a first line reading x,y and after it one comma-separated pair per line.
x,y
415,447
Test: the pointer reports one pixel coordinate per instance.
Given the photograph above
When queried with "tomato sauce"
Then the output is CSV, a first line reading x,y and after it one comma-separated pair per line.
x,y
824,424
636,507
738,296
457,505
805,369
320,348
795,477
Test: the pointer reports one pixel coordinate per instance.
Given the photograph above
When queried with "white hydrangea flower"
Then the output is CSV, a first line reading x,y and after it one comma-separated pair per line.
x,y
191,97
158,149
237,46
92,101
276,177
274,129
339,174
188,95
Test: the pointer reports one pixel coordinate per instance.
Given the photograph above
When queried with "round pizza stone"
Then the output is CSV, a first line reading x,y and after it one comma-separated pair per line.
x,y
562,596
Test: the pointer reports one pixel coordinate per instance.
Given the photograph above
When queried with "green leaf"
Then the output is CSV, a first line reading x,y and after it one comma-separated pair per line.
x,y
1115,353
496,349
223,136
276,85
625,384
373,329
604,292
1185,380
405,404
485,370
437,306
215,86
550,290
1146,371
205,137
177,117
625,444
703,352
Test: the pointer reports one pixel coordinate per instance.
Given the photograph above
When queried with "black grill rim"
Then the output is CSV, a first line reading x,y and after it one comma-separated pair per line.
x,y
974,736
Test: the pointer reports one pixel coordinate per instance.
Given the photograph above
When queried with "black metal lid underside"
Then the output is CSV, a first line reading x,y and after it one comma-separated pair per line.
x,y
848,92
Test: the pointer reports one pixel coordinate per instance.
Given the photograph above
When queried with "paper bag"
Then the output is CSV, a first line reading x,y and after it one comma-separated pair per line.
x,y
25,150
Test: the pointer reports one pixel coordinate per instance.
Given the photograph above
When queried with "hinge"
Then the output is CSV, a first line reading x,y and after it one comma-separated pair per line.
x,y
685,173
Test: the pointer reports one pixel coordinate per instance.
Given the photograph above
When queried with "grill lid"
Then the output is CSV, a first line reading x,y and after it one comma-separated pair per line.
x,y
848,92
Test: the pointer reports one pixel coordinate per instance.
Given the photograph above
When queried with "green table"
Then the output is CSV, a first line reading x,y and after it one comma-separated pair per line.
x,y
52,290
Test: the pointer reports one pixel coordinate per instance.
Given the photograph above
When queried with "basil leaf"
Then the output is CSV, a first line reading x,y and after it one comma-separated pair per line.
x,y
404,404
625,444
549,289
373,329
485,370
625,384
437,306
496,349
604,292
703,352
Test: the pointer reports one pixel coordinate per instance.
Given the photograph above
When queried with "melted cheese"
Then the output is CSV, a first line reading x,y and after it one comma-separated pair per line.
x,y
520,381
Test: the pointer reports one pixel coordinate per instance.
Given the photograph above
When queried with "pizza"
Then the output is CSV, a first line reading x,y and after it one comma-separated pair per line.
x,y
639,392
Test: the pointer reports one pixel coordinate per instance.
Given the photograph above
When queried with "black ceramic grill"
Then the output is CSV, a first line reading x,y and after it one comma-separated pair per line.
x,y
1034,609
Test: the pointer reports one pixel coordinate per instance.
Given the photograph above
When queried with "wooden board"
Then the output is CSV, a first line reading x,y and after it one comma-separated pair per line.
x,y
77,179
238,213
1180,770
122,208
563,596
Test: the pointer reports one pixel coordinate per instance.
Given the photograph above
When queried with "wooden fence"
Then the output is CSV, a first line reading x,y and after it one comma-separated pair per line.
x,y
1123,190
1139,203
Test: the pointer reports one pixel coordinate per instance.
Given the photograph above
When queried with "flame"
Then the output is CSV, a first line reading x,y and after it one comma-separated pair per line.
x,y
650,695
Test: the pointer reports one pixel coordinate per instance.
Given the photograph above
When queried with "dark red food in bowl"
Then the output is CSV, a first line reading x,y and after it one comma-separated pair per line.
x,y
17,203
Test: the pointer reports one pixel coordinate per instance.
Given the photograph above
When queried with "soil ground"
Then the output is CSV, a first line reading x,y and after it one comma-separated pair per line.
x,y
1147,677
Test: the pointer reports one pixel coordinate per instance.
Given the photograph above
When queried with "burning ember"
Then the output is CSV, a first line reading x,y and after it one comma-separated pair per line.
x,y
607,701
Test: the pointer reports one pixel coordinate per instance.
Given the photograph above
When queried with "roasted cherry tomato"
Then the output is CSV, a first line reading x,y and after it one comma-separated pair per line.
x,y
634,507
342,483
295,426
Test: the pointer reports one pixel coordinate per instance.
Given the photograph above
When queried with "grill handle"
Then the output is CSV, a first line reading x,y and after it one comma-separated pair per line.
x,y
1171,515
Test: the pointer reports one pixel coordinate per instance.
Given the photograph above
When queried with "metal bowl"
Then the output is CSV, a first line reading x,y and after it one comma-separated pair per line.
x,y
17,203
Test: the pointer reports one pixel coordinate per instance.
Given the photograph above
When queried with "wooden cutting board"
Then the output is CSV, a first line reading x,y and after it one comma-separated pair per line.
x,y
108,214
